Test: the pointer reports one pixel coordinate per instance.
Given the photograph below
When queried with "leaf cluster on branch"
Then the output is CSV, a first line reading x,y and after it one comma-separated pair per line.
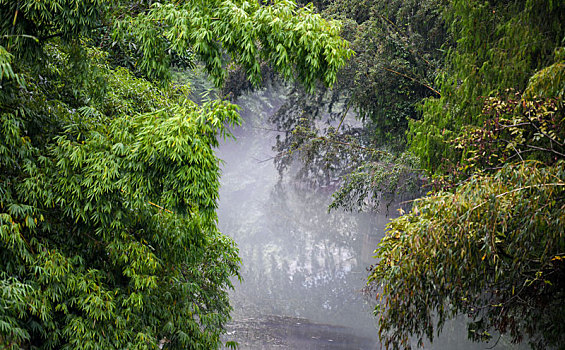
x,y
488,241
397,46
492,250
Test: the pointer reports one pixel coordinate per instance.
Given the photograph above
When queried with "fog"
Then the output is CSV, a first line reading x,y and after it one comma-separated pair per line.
x,y
303,269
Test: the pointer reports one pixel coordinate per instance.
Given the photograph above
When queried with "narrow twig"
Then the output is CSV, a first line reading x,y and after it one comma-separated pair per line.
x,y
517,152
47,37
259,161
546,150
540,131
268,129
496,343
515,125
516,190
413,79
344,114
521,152
27,243
410,201
95,240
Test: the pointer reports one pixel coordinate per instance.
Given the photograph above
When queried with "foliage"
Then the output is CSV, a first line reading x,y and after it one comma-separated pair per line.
x,y
398,55
341,161
109,182
518,129
384,180
397,46
325,155
88,261
488,240
492,250
295,41
499,46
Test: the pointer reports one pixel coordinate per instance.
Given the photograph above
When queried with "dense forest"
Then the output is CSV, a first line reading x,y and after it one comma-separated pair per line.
x,y
109,180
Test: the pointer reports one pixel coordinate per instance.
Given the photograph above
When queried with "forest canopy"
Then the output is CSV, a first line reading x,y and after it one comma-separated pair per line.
x,y
108,176
109,179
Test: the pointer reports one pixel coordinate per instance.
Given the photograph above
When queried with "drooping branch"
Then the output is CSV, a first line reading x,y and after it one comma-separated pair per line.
x,y
517,190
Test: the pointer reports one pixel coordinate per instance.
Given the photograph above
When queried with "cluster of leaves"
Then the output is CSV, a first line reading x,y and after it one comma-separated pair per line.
x,y
337,159
383,180
398,47
518,129
326,152
492,250
489,240
109,182
398,55
107,224
295,41
499,46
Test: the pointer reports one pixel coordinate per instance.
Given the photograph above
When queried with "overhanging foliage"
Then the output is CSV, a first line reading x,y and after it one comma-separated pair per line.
x,y
109,182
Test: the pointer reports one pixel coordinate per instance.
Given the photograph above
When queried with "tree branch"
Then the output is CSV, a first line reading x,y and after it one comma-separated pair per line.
x,y
516,190
413,79
546,150
344,114
540,131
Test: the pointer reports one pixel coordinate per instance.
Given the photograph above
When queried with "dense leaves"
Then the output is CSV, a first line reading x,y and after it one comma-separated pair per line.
x,y
107,224
488,241
500,45
492,250
109,181
295,41
398,56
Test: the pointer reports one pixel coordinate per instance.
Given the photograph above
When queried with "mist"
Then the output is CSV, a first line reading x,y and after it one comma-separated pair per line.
x,y
304,270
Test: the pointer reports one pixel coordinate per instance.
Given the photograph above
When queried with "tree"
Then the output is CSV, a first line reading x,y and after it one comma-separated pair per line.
x,y
109,181
398,47
492,246
499,46
399,53
488,240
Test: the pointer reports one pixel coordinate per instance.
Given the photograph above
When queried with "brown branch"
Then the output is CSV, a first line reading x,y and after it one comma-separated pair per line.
x,y
413,79
269,129
344,114
540,131
516,190
517,152
546,150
